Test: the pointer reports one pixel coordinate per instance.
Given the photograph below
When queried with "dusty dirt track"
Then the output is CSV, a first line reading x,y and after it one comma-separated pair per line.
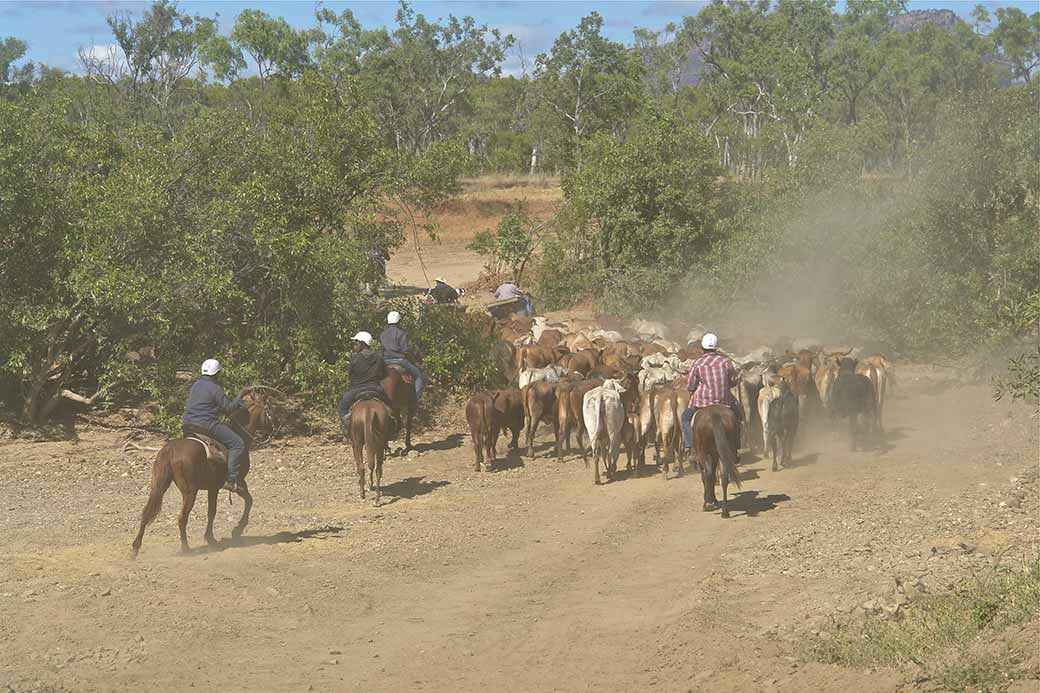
x,y
524,578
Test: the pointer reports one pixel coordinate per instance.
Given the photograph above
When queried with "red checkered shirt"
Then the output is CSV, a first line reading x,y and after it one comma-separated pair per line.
x,y
711,377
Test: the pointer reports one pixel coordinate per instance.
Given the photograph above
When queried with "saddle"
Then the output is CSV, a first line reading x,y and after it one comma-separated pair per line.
x,y
393,427
405,375
215,451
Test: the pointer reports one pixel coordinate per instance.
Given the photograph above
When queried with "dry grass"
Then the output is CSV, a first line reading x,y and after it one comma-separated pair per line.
x,y
961,639
484,201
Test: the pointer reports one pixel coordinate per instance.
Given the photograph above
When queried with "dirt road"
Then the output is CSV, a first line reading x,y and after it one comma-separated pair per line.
x,y
524,578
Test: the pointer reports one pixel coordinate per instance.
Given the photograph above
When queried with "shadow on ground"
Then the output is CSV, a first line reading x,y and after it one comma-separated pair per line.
x,y
412,487
751,504
326,532
450,443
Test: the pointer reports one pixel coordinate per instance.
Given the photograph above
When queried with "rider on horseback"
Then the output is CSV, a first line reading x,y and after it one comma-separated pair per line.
x,y
711,378
366,372
206,402
398,351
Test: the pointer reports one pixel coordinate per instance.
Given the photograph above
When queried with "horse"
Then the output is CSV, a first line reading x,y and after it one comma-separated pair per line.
x,y
401,394
185,462
370,424
713,434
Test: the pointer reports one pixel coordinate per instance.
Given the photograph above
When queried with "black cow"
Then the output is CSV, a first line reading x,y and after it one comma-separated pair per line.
x,y
783,424
852,396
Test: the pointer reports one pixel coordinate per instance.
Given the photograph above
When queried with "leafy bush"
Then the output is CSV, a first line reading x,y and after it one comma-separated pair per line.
x,y
1022,381
508,248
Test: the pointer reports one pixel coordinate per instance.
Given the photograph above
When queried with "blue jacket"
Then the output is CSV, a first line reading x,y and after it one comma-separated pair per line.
x,y
395,343
207,401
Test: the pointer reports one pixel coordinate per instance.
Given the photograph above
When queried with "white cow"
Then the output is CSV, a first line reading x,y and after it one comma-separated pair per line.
x,y
549,374
649,328
604,415
769,392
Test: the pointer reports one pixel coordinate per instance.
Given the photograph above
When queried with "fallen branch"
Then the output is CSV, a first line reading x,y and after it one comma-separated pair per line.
x,y
131,445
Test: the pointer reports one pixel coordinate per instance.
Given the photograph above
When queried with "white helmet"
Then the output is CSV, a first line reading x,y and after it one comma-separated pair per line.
x,y
210,367
710,341
442,280
393,317
364,338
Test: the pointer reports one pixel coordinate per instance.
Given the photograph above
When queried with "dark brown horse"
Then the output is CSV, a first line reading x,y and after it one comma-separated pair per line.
x,y
184,461
714,430
370,425
402,395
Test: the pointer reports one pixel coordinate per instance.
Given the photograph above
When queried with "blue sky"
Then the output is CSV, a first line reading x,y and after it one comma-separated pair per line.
x,y
56,29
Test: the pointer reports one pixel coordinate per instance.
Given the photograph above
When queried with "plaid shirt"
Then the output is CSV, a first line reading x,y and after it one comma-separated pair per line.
x,y
710,379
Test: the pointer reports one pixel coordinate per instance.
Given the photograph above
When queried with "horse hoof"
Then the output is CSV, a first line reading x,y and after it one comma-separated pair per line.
x,y
709,507
236,533
211,541
725,513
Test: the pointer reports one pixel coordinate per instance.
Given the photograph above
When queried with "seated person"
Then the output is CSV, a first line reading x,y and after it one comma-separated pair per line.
x,y
366,371
398,350
509,290
443,293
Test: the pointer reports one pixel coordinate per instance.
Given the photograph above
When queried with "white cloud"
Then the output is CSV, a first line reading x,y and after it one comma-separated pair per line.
x,y
109,54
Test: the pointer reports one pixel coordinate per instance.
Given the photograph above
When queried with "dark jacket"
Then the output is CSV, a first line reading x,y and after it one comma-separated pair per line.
x,y
395,343
207,401
366,367
442,293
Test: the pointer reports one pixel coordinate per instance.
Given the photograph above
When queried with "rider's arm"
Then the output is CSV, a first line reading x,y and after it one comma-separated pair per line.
x,y
693,380
226,404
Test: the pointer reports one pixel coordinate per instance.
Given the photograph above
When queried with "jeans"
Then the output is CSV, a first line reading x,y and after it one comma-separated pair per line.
x,y
352,394
235,445
687,425
413,370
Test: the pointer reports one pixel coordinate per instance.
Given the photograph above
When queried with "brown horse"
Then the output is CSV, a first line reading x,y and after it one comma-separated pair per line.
x,y
369,426
183,461
401,394
714,430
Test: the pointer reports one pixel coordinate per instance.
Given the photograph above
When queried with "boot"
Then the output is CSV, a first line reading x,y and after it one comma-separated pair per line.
x,y
344,425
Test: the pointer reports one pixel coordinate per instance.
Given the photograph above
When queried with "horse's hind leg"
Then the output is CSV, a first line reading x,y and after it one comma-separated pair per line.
x,y
247,497
378,475
182,520
708,479
725,486
359,463
211,512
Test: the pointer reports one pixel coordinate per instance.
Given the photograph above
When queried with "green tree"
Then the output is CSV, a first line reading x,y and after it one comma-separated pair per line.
x,y
637,212
590,82
1017,39
416,79
157,55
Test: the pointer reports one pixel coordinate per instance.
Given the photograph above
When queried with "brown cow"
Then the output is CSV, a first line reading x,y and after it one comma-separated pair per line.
x,y
539,405
583,361
534,356
574,415
802,384
551,338
874,367
478,415
578,342
507,414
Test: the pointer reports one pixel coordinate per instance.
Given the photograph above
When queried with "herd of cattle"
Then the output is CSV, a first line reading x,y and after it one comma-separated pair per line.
x,y
625,385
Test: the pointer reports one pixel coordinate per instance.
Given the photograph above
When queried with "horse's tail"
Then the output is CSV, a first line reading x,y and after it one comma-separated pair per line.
x,y
370,440
162,477
727,456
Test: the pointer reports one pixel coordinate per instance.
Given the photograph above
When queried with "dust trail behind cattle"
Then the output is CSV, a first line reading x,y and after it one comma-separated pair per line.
x,y
818,274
